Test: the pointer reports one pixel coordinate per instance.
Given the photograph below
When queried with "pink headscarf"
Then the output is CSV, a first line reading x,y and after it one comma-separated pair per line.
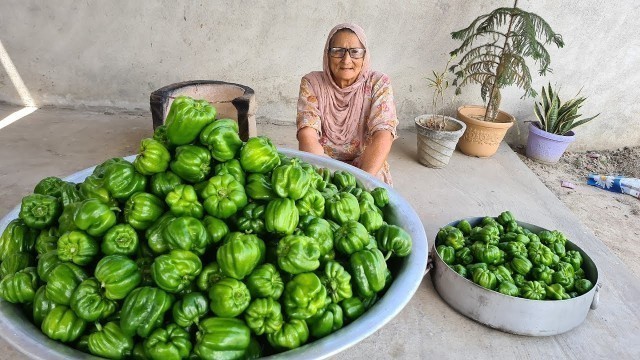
x,y
342,109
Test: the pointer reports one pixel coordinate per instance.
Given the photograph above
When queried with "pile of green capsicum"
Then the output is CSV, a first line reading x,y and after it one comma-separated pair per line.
x,y
204,247
503,256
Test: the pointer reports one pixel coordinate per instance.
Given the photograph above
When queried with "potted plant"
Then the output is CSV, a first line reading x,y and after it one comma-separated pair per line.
x,y
492,54
553,132
437,133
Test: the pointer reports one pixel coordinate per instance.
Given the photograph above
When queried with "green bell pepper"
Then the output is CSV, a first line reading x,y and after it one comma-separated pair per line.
x,y
343,179
191,163
508,288
380,197
265,281
521,264
343,207
264,316
101,169
320,230
40,211
258,187
291,335
368,270
153,157
454,238
142,209
175,271
186,233
304,296
395,240
489,254
464,256
465,227
15,263
502,274
62,324
169,343
118,276
122,180
223,196
542,273
47,240
229,298
233,168
162,183
533,290
183,200
312,203
222,139
110,341
70,193
50,185
89,302
290,181
93,188
298,254
209,275
94,217
237,258
337,281
281,216
582,286
564,275
488,234
17,237
63,281
120,239
539,254
20,287
484,278
46,263
259,155
143,310
574,258
352,308
556,292
329,321
77,247
216,228
351,237
513,248
187,117
42,305
447,254
222,338
250,219
461,270
188,310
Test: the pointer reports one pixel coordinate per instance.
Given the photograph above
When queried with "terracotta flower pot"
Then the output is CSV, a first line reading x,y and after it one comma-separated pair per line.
x,y
436,146
482,138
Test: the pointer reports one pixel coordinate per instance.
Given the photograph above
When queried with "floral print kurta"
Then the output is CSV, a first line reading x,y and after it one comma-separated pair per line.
x,y
379,114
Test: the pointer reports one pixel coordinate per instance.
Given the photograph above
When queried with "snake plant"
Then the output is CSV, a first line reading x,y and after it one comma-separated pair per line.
x,y
557,117
494,57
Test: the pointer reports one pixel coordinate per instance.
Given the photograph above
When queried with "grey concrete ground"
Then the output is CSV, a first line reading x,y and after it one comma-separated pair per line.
x,y
60,142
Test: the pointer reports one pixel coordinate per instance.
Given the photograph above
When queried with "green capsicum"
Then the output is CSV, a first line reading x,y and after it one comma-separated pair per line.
x,y
540,254
264,316
281,216
17,237
120,239
556,292
47,240
216,228
162,183
465,227
582,286
290,180
320,230
187,117
93,188
304,295
209,275
63,281
521,264
533,290
265,281
174,271
233,168
502,274
191,163
94,217
337,281
250,219
143,310
15,263
395,240
190,309
186,233
298,254
564,275
110,341
50,185
77,247
574,258
461,270
20,287
380,197
343,179
484,278
237,258
464,256
229,297
168,343
259,155
142,209
447,254
42,305
118,276
62,324
89,302
352,308
329,321
222,139
542,273
40,211
46,263
343,207
368,270
312,203
508,288
153,157
351,237
222,338
223,196
122,180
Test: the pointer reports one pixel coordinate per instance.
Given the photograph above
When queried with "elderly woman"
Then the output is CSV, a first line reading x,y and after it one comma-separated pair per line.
x,y
347,110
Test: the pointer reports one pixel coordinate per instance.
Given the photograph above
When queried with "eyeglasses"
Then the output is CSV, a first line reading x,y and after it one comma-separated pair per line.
x,y
339,52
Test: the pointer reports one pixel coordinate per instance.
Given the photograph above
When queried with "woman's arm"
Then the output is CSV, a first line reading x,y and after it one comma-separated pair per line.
x,y
309,141
375,154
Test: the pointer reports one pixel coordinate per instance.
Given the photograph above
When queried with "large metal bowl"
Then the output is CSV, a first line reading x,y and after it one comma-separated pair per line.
x,y
26,337
512,314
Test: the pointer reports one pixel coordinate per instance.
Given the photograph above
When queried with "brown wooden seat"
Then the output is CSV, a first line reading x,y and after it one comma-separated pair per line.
x,y
232,101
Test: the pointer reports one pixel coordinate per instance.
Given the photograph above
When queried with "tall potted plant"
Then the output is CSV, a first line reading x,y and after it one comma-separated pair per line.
x,y
437,133
492,54
553,132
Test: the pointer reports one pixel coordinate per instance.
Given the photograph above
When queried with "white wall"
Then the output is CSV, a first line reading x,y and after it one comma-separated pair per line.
x,y
114,53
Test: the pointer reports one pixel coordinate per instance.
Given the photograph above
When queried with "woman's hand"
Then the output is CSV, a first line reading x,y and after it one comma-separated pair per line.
x,y
309,141
376,152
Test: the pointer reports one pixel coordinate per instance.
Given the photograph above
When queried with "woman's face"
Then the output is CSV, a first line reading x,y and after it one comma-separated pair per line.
x,y
345,70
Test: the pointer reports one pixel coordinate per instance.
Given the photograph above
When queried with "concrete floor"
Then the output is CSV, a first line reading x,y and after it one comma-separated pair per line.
x,y
58,142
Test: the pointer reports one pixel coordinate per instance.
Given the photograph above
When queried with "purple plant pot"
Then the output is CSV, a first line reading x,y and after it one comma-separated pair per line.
x,y
546,147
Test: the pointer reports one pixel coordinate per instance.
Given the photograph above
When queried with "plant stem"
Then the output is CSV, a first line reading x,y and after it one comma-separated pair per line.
x,y
493,105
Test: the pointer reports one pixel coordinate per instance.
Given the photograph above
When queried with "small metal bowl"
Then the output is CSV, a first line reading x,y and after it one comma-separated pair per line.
x,y
513,314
